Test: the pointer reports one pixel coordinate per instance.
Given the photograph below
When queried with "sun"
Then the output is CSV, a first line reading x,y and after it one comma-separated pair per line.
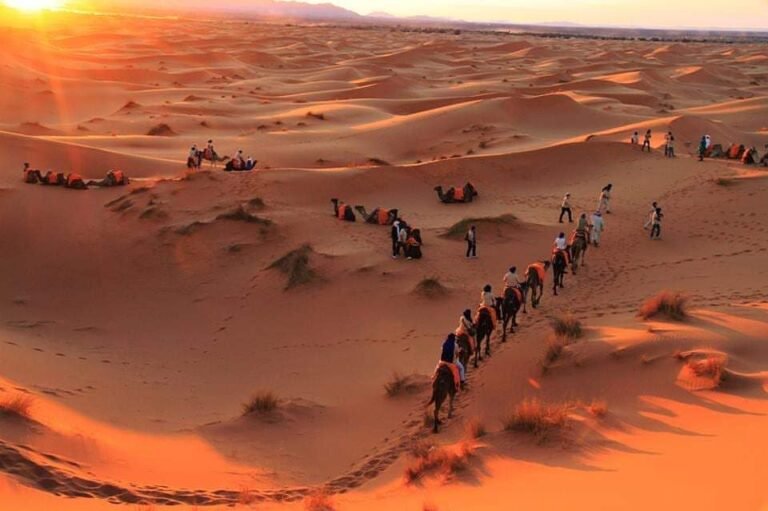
x,y
33,5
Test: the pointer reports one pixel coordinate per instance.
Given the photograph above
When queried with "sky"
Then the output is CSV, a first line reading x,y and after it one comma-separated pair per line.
x,y
645,13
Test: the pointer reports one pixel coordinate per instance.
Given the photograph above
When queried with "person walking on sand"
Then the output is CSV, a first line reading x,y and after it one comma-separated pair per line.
x,y
471,239
604,201
598,226
647,140
656,224
649,220
395,236
402,239
669,141
702,147
635,138
565,207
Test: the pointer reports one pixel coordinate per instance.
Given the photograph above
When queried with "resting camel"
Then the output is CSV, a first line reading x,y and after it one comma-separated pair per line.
x,y
342,211
32,176
578,247
443,386
75,182
378,216
559,269
52,178
514,298
113,178
764,160
236,166
454,195
534,280
484,330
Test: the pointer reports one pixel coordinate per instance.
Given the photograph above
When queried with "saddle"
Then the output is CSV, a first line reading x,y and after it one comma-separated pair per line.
x,y
458,194
538,268
517,292
382,216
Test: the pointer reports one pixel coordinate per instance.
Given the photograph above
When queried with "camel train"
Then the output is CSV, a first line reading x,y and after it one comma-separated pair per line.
x,y
746,155
506,308
72,180
456,195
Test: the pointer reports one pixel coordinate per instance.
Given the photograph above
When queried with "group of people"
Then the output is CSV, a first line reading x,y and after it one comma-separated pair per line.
x,y
405,240
238,162
669,142
72,180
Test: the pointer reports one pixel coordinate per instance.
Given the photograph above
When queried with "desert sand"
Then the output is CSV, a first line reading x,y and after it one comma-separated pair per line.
x,y
138,320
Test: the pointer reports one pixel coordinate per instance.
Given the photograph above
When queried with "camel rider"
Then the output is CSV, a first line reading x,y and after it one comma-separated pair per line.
x,y
193,152
210,150
511,280
238,162
448,358
488,301
561,245
467,327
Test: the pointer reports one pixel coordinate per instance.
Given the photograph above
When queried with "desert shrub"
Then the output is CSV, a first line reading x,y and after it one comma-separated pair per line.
x,y
567,327
537,418
670,304
399,385
444,461
17,406
475,429
262,402
430,287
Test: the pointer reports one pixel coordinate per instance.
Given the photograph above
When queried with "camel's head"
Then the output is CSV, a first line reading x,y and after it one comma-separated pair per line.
x,y
547,263
438,188
335,201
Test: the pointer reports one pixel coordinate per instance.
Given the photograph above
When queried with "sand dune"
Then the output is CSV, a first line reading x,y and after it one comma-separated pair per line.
x,y
143,320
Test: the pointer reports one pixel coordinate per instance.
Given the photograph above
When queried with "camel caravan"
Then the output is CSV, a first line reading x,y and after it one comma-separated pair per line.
x,y
72,180
740,152
237,163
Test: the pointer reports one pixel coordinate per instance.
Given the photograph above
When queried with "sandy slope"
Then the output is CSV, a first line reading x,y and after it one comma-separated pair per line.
x,y
141,318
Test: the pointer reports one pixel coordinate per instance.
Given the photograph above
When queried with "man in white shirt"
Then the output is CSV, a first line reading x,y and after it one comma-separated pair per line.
x,y
598,225
565,207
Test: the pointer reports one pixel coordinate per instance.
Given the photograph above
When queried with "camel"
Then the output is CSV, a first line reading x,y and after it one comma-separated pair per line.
x,y
342,211
535,282
378,216
457,195
466,350
75,182
483,330
53,179
578,249
443,386
32,176
194,162
231,166
559,269
113,178
510,306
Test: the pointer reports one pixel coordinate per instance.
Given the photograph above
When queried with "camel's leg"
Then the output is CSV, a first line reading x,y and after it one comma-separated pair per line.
x,y
436,422
488,345
451,396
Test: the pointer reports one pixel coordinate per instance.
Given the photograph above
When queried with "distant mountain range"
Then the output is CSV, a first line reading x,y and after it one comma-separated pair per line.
x,y
250,8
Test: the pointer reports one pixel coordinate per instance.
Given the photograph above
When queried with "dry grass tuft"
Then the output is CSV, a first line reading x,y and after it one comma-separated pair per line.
x,y
598,407
430,287
711,367
295,264
460,228
539,419
261,403
400,385
445,461
670,304
319,501
19,406
553,351
475,429
567,327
